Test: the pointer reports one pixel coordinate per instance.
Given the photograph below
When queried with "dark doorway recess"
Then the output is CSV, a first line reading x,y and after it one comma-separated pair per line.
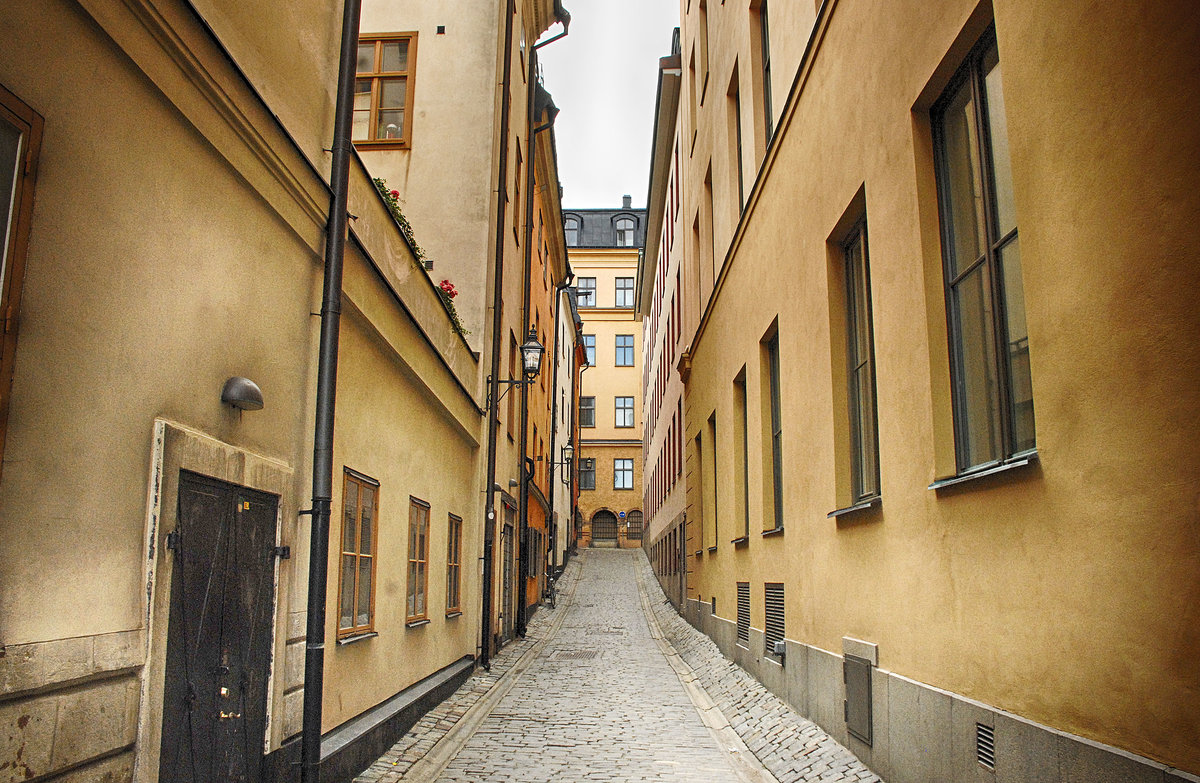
x,y
219,634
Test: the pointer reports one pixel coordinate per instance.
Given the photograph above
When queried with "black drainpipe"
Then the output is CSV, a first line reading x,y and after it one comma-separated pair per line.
x,y
327,363
489,509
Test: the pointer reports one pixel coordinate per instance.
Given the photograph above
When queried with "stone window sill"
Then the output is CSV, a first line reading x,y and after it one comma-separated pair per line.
x,y
1021,460
358,637
870,503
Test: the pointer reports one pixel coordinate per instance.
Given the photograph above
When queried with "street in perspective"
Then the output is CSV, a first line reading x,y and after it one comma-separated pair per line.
x,y
762,391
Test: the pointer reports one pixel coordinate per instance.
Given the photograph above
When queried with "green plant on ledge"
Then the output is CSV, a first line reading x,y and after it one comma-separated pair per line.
x,y
392,199
445,289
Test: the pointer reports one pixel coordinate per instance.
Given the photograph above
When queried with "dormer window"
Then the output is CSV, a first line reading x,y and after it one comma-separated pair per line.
x,y
626,231
572,229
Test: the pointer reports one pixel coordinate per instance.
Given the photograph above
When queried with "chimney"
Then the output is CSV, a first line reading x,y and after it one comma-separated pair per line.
x,y
626,202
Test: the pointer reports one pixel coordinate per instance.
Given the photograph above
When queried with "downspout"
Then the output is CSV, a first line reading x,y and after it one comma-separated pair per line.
x,y
533,115
552,528
489,513
327,364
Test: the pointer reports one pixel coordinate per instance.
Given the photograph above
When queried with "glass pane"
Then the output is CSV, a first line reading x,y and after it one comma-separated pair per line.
x,y
867,448
395,56
391,125
364,590
350,524
1006,215
10,158
412,588
393,93
976,400
421,589
1020,381
366,58
346,613
959,175
366,543
861,335
362,109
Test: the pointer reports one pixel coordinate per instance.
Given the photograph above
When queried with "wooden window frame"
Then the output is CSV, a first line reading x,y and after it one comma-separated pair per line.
x,y
376,75
623,285
587,467
617,470
580,288
617,408
617,347
418,560
589,407
362,483
29,124
454,529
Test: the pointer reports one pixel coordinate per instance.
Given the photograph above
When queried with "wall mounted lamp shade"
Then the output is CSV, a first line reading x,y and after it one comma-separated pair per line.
x,y
568,453
531,355
242,393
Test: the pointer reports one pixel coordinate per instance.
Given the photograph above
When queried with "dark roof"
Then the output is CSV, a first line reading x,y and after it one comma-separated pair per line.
x,y
598,227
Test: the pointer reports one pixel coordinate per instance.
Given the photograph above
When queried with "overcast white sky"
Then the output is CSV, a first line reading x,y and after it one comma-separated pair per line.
x,y
603,77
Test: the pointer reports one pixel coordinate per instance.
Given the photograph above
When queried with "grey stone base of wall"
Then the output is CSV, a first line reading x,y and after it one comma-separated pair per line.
x,y
921,734
356,744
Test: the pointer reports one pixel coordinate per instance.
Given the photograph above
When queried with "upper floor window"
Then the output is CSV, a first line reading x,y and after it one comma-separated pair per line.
x,y
624,411
624,350
571,225
20,141
624,292
626,231
585,290
622,474
589,349
985,307
587,411
860,368
383,89
587,473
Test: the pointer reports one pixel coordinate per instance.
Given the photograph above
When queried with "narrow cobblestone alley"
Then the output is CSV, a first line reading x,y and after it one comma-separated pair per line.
x,y
597,691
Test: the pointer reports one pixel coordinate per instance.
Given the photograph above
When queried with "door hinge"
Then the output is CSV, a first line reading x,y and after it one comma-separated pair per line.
x,y
282,552
173,541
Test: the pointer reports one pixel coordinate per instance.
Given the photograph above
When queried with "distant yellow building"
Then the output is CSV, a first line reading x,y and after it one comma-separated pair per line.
x,y
936,266
603,246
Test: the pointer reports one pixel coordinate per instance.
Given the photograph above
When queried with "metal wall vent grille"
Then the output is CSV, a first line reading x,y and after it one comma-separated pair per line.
x,y
743,614
985,745
773,605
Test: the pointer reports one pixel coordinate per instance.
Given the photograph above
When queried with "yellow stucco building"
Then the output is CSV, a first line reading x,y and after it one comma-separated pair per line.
x,y
935,273
603,248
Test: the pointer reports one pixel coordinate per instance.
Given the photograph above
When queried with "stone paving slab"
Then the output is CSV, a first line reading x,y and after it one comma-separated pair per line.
x,y
614,685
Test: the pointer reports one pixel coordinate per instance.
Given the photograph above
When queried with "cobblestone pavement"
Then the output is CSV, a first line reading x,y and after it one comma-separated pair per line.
x,y
614,686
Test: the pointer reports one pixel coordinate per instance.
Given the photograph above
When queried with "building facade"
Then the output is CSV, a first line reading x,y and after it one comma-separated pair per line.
x,y
603,246
933,279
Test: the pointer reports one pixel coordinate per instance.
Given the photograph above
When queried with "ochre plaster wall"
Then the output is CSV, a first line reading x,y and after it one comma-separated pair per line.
x,y
1064,592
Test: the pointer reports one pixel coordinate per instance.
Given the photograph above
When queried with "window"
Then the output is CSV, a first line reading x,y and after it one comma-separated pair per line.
x,y
624,350
989,345
860,369
20,142
587,472
735,120
764,40
589,348
774,434
624,416
454,566
571,226
586,291
517,204
356,582
587,411
740,409
624,292
622,474
418,560
383,90
626,231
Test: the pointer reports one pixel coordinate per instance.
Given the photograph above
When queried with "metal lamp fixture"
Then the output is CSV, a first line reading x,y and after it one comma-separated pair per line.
x,y
242,393
568,456
531,361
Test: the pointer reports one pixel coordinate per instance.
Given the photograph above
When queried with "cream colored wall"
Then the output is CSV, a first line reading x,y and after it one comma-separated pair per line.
x,y
447,179
392,427
123,322
1056,593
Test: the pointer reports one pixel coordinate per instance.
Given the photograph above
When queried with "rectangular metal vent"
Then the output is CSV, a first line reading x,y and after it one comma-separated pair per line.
x,y
985,745
856,673
773,605
743,612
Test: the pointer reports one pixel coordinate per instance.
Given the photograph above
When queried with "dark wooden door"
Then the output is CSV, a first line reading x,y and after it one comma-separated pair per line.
x,y
604,529
219,634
